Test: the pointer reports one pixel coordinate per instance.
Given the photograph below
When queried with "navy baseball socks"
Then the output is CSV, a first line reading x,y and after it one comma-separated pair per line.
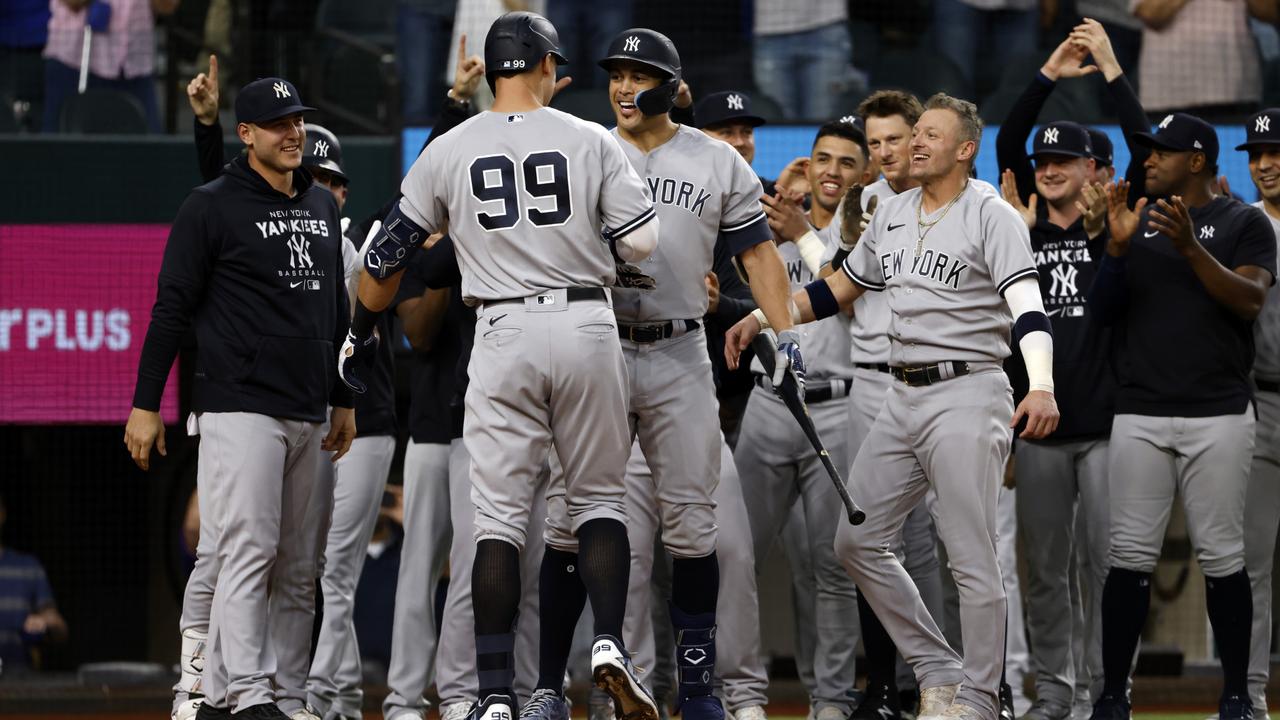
x,y
881,699
1229,602
695,586
1126,598
495,594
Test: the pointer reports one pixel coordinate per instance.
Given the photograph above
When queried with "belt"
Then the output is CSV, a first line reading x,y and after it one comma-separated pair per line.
x,y
655,331
919,375
1267,385
573,294
815,393
878,367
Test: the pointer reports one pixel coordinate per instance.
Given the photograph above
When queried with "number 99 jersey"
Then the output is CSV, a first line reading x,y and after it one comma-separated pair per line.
x,y
526,196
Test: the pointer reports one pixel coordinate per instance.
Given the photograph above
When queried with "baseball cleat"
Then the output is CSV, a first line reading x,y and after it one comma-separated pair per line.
x,y
265,711
451,711
704,707
831,712
305,713
752,712
207,711
960,711
879,703
1111,707
494,707
1006,702
1235,707
612,671
545,704
935,700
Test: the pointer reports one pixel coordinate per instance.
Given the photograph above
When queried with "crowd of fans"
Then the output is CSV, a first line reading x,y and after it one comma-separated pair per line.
x,y
806,58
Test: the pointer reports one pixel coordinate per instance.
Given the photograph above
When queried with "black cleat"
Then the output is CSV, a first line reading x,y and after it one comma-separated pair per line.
x,y
1006,702
1111,707
879,703
1235,707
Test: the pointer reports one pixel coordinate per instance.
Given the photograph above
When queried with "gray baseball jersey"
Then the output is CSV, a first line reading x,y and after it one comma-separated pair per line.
x,y
869,328
525,196
939,284
1266,329
701,188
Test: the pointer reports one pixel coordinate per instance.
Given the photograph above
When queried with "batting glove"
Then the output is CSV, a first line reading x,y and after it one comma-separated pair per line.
x,y
356,354
788,358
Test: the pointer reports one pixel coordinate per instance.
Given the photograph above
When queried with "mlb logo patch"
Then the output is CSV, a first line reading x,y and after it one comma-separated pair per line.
x,y
313,284
519,117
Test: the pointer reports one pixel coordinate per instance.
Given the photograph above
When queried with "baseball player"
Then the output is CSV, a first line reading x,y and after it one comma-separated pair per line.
x,y
957,266
1063,481
254,260
702,190
358,482
1183,281
1262,497
1065,478
778,465
888,116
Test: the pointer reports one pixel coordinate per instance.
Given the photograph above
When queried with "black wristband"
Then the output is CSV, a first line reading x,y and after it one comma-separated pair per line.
x,y
363,321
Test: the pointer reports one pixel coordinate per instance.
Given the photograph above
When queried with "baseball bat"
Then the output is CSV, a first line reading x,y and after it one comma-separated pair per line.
x,y
793,398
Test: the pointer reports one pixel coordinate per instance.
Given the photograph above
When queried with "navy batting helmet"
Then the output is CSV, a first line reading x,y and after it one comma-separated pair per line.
x,y
655,50
517,42
323,151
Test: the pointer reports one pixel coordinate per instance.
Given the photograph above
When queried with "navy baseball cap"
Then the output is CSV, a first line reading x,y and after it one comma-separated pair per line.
x,y
1103,151
1262,129
267,99
724,107
1181,132
1063,138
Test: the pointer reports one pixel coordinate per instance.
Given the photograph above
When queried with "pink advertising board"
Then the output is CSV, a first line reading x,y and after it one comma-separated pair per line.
x,y
75,301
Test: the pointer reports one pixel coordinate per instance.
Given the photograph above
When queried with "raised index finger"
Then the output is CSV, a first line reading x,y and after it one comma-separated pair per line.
x,y
462,48
213,69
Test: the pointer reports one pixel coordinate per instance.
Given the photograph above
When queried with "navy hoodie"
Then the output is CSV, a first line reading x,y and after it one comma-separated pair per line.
x,y
260,275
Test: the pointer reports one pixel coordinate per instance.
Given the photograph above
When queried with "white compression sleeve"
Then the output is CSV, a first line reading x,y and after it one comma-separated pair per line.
x,y
639,243
1037,346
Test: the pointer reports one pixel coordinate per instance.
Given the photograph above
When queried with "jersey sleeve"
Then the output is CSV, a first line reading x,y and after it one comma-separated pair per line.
x,y
623,203
424,200
1257,242
1006,244
863,264
742,221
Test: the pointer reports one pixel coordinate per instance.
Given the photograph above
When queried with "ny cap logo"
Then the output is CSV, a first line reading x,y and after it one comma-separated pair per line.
x,y
849,120
322,148
282,90
1165,122
1051,135
632,44
1263,124
735,101
1206,232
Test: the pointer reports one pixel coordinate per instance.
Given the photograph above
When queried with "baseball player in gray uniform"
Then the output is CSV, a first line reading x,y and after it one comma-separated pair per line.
x,y
1262,503
888,116
956,263
778,465
525,190
702,189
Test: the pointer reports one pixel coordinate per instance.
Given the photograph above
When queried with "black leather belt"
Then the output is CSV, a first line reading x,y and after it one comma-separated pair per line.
x,y
818,391
878,367
919,375
653,332
574,294
1267,385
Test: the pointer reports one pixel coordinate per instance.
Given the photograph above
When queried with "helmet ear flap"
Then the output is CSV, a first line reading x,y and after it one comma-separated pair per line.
x,y
658,100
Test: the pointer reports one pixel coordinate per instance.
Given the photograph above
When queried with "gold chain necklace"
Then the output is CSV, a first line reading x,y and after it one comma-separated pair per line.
x,y
922,227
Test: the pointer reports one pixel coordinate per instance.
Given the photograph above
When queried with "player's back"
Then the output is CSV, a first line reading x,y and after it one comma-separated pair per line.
x,y
527,195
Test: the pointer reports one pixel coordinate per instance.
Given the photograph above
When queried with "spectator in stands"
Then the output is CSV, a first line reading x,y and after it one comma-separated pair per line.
x,y
122,54
803,55
24,28
423,28
981,37
28,615
1200,57
585,28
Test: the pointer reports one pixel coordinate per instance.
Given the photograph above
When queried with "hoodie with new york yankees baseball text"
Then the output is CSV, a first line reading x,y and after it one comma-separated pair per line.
x,y
260,275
